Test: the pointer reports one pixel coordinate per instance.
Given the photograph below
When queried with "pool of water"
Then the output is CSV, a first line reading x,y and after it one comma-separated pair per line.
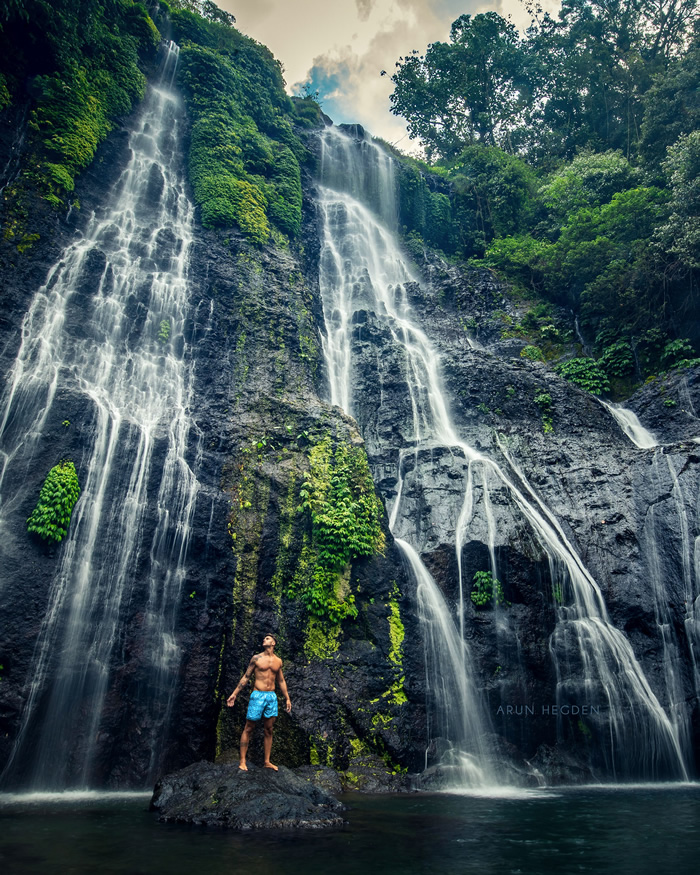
x,y
623,830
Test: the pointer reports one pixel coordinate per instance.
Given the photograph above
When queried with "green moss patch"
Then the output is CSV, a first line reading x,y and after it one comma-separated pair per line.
x,y
244,156
84,68
344,513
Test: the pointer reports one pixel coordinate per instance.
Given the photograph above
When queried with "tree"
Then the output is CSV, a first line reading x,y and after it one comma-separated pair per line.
x,y
493,196
672,104
588,181
207,9
681,234
577,81
467,91
593,66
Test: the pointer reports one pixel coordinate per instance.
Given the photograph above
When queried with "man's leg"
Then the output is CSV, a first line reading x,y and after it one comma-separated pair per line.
x,y
267,742
245,740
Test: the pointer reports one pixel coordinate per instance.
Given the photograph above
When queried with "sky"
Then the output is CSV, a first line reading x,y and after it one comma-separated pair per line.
x,y
340,47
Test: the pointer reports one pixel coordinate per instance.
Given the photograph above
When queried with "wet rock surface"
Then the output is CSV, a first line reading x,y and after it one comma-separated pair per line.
x,y
367,773
254,325
205,794
669,406
253,336
628,513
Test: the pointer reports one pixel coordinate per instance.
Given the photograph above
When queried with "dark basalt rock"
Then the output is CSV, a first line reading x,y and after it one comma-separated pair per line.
x,y
368,774
669,406
321,776
214,795
255,327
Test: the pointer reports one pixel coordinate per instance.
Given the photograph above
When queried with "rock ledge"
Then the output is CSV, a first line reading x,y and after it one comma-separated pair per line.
x,y
223,795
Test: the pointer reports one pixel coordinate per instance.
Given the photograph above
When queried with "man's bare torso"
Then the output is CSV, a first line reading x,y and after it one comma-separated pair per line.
x,y
266,671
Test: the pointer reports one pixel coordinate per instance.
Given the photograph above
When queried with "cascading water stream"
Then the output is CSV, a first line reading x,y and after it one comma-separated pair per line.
x,y
668,523
631,426
362,269
106,334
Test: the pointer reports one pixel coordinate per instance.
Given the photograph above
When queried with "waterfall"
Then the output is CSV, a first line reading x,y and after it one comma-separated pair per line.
x,y
105,334
674,582
631,426
364,272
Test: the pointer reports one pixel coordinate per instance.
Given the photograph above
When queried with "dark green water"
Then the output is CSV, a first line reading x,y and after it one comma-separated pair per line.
x,y
585,830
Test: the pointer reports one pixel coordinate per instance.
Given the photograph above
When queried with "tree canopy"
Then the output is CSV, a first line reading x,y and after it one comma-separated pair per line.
x,y
576,81
569,157
468,90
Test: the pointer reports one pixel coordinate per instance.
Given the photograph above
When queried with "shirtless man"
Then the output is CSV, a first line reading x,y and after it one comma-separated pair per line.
x,y
263,699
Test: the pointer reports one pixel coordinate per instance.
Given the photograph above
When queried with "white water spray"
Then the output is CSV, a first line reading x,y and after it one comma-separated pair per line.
x,y
631,426
106,331
362,268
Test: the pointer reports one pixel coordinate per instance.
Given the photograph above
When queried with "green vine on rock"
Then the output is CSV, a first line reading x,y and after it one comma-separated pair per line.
x,y
51,516
544,401
344,511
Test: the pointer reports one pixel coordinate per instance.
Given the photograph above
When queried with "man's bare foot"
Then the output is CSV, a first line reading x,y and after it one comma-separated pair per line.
x,y
243,767
271,766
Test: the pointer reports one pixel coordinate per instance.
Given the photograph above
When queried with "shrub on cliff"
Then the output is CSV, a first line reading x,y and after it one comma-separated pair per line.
x,y
344,512
51,516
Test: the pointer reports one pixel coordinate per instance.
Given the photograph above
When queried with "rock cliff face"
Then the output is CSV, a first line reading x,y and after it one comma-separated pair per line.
x,y
253,333
630,515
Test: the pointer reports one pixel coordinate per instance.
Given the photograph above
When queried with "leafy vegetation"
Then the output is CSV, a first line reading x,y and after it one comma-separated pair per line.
x,y
344,512
244,155
585,373
51,516
534,353
577,81
544,401
487,591
570,156
83,65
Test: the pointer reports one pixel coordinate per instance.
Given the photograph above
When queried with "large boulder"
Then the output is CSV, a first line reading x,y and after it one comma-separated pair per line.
x,y
223,795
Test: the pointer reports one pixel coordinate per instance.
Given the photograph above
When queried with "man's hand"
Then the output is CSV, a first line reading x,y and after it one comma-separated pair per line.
x,y
231,701
288,706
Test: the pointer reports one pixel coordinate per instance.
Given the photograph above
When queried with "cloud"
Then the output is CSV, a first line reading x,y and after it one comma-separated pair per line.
x,y
340,48
364,7
348,77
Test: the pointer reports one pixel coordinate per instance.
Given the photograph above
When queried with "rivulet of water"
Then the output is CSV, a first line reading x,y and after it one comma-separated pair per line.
x,y
631,426
363,269
125,363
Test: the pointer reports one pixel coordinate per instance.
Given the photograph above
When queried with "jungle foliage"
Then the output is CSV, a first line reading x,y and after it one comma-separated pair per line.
x,y
80,64
345,519
569,158
244,155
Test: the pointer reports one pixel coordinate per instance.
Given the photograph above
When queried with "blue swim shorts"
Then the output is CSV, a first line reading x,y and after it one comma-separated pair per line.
x,y
262,704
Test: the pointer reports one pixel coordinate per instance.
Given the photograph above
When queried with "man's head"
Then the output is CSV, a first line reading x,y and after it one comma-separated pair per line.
x,y
269,641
